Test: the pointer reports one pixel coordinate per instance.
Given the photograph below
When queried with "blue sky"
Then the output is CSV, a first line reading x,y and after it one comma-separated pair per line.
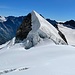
x,y
54,9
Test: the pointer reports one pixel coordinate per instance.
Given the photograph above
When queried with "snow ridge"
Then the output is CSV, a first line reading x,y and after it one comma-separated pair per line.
x,y
41,29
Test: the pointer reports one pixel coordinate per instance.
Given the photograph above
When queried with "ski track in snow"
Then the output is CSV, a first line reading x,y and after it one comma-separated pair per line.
x,y
12,70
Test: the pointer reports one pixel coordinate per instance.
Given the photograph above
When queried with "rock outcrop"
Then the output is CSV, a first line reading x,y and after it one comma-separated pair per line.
x,y
24,28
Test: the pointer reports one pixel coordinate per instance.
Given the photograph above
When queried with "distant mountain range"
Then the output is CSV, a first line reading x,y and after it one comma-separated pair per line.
x,y
8,27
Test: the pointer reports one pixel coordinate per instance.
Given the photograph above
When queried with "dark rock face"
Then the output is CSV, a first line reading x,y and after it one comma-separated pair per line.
x,y
56,26
54,23
24,28
62,36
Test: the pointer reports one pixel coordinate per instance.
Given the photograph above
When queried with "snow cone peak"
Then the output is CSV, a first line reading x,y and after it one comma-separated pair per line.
x,y
35,28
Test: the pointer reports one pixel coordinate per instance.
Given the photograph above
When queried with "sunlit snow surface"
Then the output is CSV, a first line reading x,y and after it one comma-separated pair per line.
x,y
69,34
39,60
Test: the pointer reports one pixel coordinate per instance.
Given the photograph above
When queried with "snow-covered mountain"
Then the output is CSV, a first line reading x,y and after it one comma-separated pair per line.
x,y
36,51
8,27
35,28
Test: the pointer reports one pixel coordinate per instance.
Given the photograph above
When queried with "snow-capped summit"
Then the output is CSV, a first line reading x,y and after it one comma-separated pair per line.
x,y
2,19
35,28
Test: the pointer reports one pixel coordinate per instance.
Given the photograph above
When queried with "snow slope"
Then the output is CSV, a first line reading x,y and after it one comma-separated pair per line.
x,y
39,60
69,33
